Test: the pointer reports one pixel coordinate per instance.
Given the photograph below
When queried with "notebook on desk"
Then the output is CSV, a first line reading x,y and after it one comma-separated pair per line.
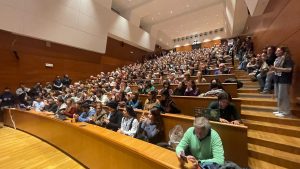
x,y
210,114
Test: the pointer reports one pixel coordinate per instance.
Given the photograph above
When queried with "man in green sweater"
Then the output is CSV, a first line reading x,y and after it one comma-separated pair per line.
x,y
203,143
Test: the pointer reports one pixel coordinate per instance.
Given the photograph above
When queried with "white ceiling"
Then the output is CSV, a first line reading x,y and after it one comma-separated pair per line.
x,y
175,18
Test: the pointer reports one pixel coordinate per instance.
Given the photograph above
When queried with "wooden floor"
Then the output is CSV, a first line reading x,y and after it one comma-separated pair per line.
x,y
21,150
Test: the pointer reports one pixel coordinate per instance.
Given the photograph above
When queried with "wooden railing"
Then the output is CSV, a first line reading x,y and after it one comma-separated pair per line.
x,y
93,146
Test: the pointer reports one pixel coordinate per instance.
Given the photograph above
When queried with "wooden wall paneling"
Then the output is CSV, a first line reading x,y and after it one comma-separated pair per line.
x,y
79,64
184,48
210,43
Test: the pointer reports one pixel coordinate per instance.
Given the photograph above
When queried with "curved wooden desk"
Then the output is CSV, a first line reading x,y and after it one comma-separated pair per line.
x,y
234,137
93,146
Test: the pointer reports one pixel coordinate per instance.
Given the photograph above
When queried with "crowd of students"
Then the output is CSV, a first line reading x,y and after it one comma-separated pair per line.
x,y
106,99
272,68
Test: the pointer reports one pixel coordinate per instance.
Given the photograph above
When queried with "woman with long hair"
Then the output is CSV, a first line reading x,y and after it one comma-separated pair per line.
x,y
150,128
167,105
283,71
129,122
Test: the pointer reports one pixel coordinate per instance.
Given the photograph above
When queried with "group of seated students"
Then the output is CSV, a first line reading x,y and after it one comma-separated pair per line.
x,y
272,68
106,100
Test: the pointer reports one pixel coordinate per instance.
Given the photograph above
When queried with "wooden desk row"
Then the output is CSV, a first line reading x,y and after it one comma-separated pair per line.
x,y
93,146
234,138
208,78
97,147
187,104
230,88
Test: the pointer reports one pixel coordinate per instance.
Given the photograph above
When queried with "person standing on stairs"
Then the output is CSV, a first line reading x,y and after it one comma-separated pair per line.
x,y
271,56
283,71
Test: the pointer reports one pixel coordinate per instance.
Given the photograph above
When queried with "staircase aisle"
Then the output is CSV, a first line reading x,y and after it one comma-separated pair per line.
x,y
273,142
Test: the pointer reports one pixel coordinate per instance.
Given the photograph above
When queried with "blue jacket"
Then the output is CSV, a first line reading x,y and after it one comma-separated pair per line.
x,y
86,116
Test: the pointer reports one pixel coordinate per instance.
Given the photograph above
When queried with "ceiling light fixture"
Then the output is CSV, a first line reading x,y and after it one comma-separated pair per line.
x,y
171,12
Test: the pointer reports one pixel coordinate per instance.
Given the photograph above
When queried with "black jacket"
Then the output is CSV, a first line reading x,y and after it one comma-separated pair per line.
x,y
115,121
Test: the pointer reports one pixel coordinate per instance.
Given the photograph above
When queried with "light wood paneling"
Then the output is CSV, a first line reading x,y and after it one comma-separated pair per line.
x,y
79,64
210,43
21,150
184,48
94,146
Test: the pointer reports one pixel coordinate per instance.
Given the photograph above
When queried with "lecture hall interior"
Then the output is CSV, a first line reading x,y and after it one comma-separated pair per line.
x,y
150,84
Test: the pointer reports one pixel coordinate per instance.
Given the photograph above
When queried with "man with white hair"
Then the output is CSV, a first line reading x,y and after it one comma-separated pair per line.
x,y
201,145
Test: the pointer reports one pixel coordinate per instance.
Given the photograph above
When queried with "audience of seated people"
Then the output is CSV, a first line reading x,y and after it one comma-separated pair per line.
x,y
98,99
273,69
83,100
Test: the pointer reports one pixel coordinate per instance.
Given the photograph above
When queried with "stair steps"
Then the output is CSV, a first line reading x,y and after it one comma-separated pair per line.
x,y
275,128
255,95
277,157
269,117
259,101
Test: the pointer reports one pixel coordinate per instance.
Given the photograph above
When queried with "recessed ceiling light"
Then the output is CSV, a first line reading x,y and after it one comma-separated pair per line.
x,y
131,52
171,12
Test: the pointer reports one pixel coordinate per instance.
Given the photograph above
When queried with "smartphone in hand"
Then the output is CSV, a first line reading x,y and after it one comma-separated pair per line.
x,y
183,157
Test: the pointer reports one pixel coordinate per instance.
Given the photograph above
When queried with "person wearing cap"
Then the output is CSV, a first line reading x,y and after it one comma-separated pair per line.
x,y
113,121
129,122
201,145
